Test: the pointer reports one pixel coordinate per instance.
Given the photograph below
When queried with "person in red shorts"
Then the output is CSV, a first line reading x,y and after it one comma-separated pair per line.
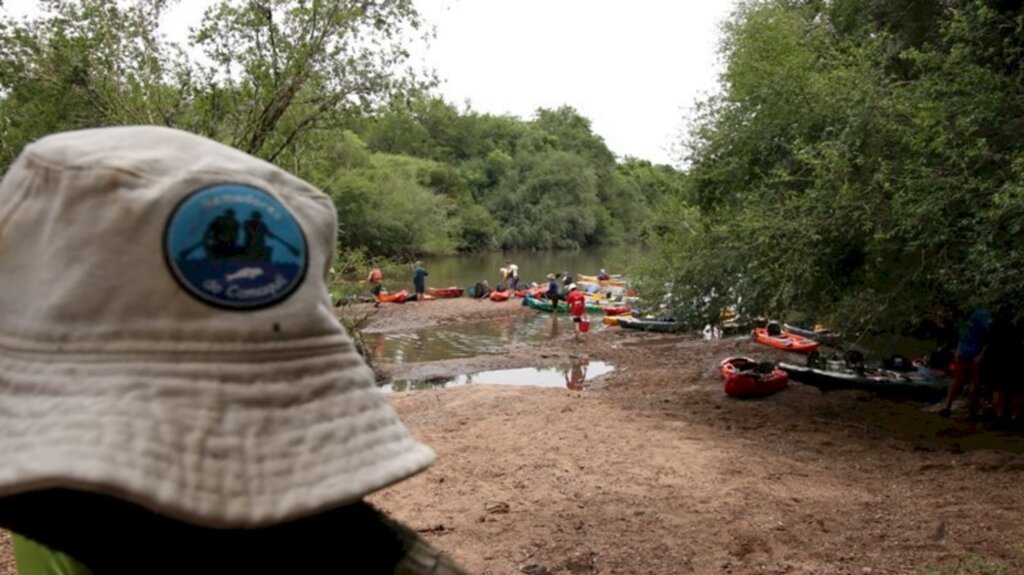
x,y
970,352
577,308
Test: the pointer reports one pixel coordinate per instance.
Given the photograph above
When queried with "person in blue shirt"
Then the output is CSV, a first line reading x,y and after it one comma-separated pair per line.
x,y
553,291
970,352
419,280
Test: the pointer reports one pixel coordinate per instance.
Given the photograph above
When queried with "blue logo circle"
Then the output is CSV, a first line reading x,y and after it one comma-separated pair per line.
x,y
235,246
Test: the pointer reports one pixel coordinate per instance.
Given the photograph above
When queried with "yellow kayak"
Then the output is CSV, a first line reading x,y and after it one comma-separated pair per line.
x,y
585,279
614,319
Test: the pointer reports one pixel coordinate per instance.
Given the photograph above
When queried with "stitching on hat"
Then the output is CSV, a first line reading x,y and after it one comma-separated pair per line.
x,y
138,347
393,440
215,509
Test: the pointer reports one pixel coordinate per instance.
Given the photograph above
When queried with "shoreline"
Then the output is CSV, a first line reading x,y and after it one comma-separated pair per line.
x,y
655,470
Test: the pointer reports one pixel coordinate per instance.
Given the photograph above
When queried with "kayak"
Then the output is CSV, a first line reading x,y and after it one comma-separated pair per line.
x,y
534,292
500,295
922,384
545,305
585,279
658,325
397,297
785,341
615,319
446,292
745,378
825,336
608,310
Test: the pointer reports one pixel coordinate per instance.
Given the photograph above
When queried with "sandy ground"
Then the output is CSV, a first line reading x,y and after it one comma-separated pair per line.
x,y
652,469
655,470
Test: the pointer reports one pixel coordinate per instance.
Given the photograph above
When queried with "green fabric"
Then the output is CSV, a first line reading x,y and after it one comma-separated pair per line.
x,y
35,559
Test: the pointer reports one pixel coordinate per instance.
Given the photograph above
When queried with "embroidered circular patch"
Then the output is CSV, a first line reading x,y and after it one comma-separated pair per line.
x,y
235,246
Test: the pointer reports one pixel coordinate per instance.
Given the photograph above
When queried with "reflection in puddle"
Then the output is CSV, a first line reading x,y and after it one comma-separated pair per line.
x,y
490,337
571,376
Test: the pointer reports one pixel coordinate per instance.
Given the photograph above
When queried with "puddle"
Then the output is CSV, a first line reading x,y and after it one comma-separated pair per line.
x,y
491,337
573,376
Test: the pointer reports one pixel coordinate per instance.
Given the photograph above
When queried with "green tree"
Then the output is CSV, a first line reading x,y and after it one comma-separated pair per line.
x,y
86,63
284,68
860,164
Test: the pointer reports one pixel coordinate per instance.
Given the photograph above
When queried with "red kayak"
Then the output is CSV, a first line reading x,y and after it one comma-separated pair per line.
x,y
785,341
397,297
615,310
500,295
745,378
534,292
446,292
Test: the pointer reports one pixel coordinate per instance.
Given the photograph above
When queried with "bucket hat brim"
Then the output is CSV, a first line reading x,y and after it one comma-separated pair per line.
x,y
286,439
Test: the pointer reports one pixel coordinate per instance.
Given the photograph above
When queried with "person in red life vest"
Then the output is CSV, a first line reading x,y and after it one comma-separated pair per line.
x,y
376,278
577,307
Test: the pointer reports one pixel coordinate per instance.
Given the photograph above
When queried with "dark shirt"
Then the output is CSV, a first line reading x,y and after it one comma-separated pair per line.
x,y
974,334
419,276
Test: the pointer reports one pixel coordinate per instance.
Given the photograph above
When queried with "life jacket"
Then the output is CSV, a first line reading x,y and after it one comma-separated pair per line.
x,y
576,302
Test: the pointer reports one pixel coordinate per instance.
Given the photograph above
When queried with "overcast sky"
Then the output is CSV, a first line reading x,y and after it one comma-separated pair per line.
x,y
635,69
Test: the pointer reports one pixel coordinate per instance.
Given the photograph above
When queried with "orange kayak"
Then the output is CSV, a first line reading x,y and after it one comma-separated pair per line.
x,y
500,295
446,292
397,297
785,341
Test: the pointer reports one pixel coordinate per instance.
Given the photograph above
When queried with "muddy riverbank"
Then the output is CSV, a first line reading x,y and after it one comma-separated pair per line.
x,y
655,470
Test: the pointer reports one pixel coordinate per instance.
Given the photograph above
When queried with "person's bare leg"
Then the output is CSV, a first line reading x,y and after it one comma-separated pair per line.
x,y
999,400
955,387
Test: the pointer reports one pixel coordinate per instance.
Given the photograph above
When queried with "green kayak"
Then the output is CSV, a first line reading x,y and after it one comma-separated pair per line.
x,y
545,305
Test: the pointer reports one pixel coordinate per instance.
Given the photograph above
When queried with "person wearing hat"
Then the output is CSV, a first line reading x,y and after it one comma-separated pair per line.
x,y
577,307
419,280
512,281
168,409
553,292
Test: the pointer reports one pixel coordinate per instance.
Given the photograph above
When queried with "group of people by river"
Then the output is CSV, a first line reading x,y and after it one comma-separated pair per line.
x,y
556,287
985,364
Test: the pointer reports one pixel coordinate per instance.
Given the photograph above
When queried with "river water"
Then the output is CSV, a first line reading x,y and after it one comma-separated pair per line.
x,y
466,270
489,337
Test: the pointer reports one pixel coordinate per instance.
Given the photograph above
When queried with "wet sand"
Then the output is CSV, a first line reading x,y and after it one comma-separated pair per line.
x,y
655,470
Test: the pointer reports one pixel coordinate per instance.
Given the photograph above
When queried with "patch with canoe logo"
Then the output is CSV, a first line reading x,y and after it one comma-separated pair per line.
x,y
235,246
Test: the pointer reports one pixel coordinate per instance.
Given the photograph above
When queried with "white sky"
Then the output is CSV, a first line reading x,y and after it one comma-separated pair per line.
x,y
635,69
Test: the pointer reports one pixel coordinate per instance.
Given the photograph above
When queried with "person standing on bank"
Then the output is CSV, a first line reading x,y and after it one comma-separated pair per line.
x,y
502,278
553,293
970,351
376,279
175,415
577,307
513,276
419,280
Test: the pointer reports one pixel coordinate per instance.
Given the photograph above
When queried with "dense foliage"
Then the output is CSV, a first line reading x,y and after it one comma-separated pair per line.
x,y
323,88
862,164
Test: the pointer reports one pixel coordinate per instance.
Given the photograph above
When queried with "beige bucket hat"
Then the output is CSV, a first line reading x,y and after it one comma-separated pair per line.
x,y
168,337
